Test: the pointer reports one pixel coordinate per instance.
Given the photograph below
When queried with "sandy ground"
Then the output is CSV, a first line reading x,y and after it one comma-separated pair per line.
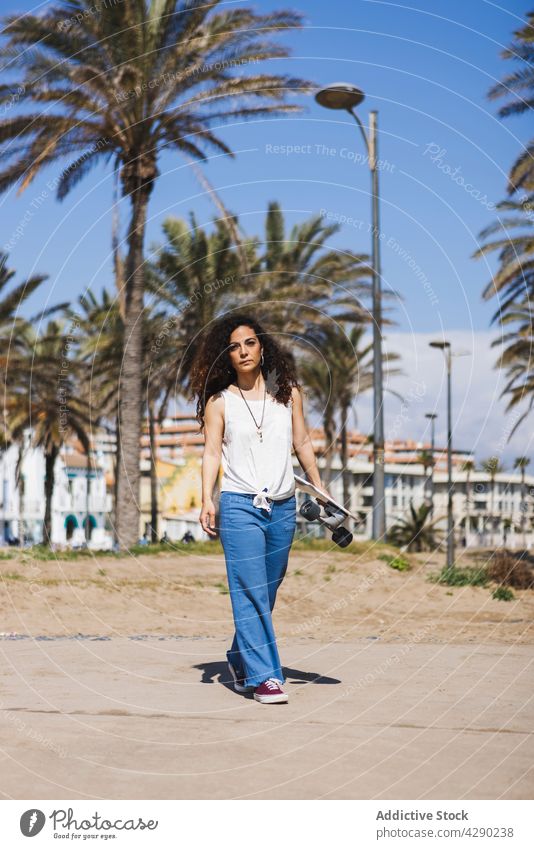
x,y
113,684
325,595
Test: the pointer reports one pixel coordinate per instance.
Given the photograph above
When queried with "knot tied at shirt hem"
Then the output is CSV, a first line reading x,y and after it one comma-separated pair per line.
x,y
261,499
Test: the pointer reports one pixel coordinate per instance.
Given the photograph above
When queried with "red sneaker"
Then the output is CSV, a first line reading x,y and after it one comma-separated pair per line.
x,y
270,692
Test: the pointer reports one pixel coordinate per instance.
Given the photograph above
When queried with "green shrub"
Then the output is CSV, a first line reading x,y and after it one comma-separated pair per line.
x,y
454,576
42,552
396,561
503,594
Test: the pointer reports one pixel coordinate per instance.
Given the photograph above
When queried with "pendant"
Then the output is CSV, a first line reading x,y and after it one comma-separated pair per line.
x,y
260,434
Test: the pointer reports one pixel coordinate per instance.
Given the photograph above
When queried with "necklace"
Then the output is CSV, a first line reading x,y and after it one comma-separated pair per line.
x,y
258,426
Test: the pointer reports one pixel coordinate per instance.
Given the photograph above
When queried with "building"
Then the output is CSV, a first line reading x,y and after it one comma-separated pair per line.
x,y
480,518
80,503
485,513
179,495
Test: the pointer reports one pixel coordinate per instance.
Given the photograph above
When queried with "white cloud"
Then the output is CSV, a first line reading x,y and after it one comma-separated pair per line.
x,y
480,423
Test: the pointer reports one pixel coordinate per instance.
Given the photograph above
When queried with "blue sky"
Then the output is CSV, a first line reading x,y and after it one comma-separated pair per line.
x,y
426,68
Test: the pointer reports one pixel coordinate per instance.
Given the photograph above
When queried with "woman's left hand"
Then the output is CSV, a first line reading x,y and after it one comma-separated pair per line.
x,y
328,495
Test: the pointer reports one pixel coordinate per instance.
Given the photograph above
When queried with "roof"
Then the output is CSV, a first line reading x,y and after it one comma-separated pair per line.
x,y
78,461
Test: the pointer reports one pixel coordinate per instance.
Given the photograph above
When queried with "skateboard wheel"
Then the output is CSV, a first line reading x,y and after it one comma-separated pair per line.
x,y
342,537
310,510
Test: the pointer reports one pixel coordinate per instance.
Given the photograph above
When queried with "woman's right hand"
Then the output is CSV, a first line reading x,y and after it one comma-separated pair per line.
x,y
207,517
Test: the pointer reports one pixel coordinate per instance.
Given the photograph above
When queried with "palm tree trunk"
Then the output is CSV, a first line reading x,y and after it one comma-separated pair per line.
x,y
50,461
467,510
345,456
87,500
523,516
116,470
329,450
492,507
153,474
19,479
130,414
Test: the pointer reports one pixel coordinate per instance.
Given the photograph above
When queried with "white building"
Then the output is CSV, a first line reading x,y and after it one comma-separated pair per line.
x,y
484,515
79,502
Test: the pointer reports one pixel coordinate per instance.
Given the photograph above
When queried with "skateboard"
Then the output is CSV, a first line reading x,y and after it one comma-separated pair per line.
x,y
327,512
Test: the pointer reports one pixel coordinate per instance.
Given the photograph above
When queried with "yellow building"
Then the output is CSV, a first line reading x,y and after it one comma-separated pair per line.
x,y
179,495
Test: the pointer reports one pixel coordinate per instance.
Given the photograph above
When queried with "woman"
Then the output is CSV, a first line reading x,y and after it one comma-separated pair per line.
x,y
250,408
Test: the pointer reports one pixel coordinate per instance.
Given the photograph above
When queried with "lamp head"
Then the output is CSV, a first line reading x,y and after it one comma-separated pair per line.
x,y
339,96
441,345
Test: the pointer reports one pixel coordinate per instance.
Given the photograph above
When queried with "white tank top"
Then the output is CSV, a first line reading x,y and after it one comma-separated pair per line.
x,y
263,468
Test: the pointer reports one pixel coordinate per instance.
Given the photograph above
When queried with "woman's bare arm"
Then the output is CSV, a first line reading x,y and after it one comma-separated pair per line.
x,y
211,459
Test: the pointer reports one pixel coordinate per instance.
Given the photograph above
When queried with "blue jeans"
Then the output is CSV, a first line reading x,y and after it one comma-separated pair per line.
x,y
256,547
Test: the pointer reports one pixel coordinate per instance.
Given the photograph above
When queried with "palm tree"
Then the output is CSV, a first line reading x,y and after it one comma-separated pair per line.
x,y
159,375
340,371
101,348
492,467
514,281
292,280
100,351
12,371
427,461
298,278
130,82
47,401
353,362
518,87
12,324
468,466
10,321
521,463
417,532
507,525
199,276
347,356
318,378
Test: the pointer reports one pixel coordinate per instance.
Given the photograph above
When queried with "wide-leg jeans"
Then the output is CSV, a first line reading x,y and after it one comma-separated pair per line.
x,y
256,546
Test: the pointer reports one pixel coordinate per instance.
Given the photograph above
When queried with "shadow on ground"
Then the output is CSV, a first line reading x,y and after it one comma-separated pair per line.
x,y
216,672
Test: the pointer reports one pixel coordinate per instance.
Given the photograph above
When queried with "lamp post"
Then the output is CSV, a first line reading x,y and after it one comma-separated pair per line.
x,y
432,417
446,348
347,96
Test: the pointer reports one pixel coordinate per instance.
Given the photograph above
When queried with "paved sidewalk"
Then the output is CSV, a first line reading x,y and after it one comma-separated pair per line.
x,y
155,718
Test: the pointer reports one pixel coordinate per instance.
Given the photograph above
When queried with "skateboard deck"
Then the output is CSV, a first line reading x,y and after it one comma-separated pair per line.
x,y
326,511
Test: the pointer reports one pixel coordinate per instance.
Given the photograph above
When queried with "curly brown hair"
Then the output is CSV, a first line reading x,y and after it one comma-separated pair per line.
x,y
212,370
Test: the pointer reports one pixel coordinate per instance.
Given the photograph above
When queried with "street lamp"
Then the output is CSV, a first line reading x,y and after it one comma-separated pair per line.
x,y
347,96
432,417
446,348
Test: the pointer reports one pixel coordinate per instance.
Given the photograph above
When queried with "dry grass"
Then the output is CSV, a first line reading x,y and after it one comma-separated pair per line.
x,y
512,569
